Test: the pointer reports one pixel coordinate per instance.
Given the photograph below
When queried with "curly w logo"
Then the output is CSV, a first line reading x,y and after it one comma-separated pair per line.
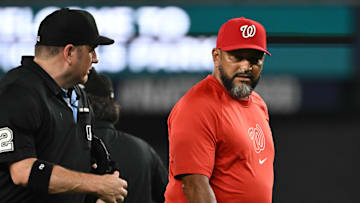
x,y
248,31
258,138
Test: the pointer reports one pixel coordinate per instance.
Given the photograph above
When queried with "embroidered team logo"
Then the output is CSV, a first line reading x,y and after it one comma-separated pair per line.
x,y
248,31
257,137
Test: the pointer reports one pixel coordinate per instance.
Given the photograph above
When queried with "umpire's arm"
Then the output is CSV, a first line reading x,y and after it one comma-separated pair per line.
x,y
108,187
197,188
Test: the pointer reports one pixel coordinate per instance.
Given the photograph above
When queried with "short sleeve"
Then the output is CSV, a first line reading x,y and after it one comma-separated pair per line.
x,y
19,122
192,138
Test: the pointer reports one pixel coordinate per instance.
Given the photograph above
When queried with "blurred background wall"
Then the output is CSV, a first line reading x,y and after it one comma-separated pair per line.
x,y
310,83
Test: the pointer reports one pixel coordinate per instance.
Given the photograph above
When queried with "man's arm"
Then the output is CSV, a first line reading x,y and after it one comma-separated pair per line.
x,y
197,189
108,187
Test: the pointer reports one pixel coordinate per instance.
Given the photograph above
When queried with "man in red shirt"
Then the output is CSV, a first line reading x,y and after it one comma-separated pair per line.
x,y
221,146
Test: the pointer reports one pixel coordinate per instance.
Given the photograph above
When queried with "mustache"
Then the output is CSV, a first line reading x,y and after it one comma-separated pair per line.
x,y
247,74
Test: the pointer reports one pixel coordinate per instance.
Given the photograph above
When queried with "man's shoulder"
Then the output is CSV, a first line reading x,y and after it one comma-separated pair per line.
x,y
204,94
21,77
112,136
257,98
142,147
120,143
134,140
202,100
259,102
15,84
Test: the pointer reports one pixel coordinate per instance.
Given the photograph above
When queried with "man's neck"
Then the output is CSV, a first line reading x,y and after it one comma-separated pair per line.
x,y
55,68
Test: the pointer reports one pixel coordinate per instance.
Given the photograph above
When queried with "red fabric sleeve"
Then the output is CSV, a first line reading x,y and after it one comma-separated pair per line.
x,y
192,138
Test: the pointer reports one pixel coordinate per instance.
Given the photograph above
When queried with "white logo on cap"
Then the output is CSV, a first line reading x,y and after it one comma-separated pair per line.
x,y
38,38
248,31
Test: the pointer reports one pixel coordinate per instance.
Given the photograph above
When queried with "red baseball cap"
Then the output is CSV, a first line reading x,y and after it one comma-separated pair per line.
x,y
242,33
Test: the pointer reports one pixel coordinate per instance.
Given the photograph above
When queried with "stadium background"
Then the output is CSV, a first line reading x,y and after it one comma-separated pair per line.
x,y
311,81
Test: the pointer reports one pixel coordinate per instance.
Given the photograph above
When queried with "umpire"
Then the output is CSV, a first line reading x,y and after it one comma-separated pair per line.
x,y
45,123
139,164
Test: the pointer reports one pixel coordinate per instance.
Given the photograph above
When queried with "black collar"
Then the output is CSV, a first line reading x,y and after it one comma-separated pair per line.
x,y
28,62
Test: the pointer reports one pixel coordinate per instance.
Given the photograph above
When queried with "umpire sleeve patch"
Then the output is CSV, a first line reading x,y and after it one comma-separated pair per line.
x,y
6,140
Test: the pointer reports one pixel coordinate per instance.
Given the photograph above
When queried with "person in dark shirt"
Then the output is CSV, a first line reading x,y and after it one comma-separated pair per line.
x,y
139,164
45,119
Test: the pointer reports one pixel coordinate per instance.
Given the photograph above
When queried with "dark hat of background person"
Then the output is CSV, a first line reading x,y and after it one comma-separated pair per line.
x,y
99,85
242,33
70,26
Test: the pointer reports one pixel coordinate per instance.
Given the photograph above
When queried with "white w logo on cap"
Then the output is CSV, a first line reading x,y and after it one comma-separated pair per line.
x,y
248,31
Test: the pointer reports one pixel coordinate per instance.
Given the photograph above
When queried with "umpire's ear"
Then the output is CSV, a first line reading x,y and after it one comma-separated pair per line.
x,y
69,53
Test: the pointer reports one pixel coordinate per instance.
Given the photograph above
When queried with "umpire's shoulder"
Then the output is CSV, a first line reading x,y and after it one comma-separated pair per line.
x,y
20,77
135,140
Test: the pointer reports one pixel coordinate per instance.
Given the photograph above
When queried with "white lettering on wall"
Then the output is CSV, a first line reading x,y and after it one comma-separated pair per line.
x,y
148,38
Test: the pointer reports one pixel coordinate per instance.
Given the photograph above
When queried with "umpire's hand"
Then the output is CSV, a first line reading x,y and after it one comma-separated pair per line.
x,y
113,188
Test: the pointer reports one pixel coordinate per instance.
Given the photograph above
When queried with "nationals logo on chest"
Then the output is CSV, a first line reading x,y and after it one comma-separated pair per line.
x,y
257,137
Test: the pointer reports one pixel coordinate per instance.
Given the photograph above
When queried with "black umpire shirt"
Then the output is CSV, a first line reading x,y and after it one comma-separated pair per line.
x,y
139,164
35,121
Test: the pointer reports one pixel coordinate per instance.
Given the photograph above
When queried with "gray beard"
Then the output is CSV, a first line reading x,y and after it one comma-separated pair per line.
x,y
242,91
238,92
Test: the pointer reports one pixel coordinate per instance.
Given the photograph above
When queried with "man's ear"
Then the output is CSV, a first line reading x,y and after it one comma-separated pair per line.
x,y
69,53
216,56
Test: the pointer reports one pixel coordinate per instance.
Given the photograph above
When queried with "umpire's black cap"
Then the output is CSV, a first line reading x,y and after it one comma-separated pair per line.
x,y
99,85
70,26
